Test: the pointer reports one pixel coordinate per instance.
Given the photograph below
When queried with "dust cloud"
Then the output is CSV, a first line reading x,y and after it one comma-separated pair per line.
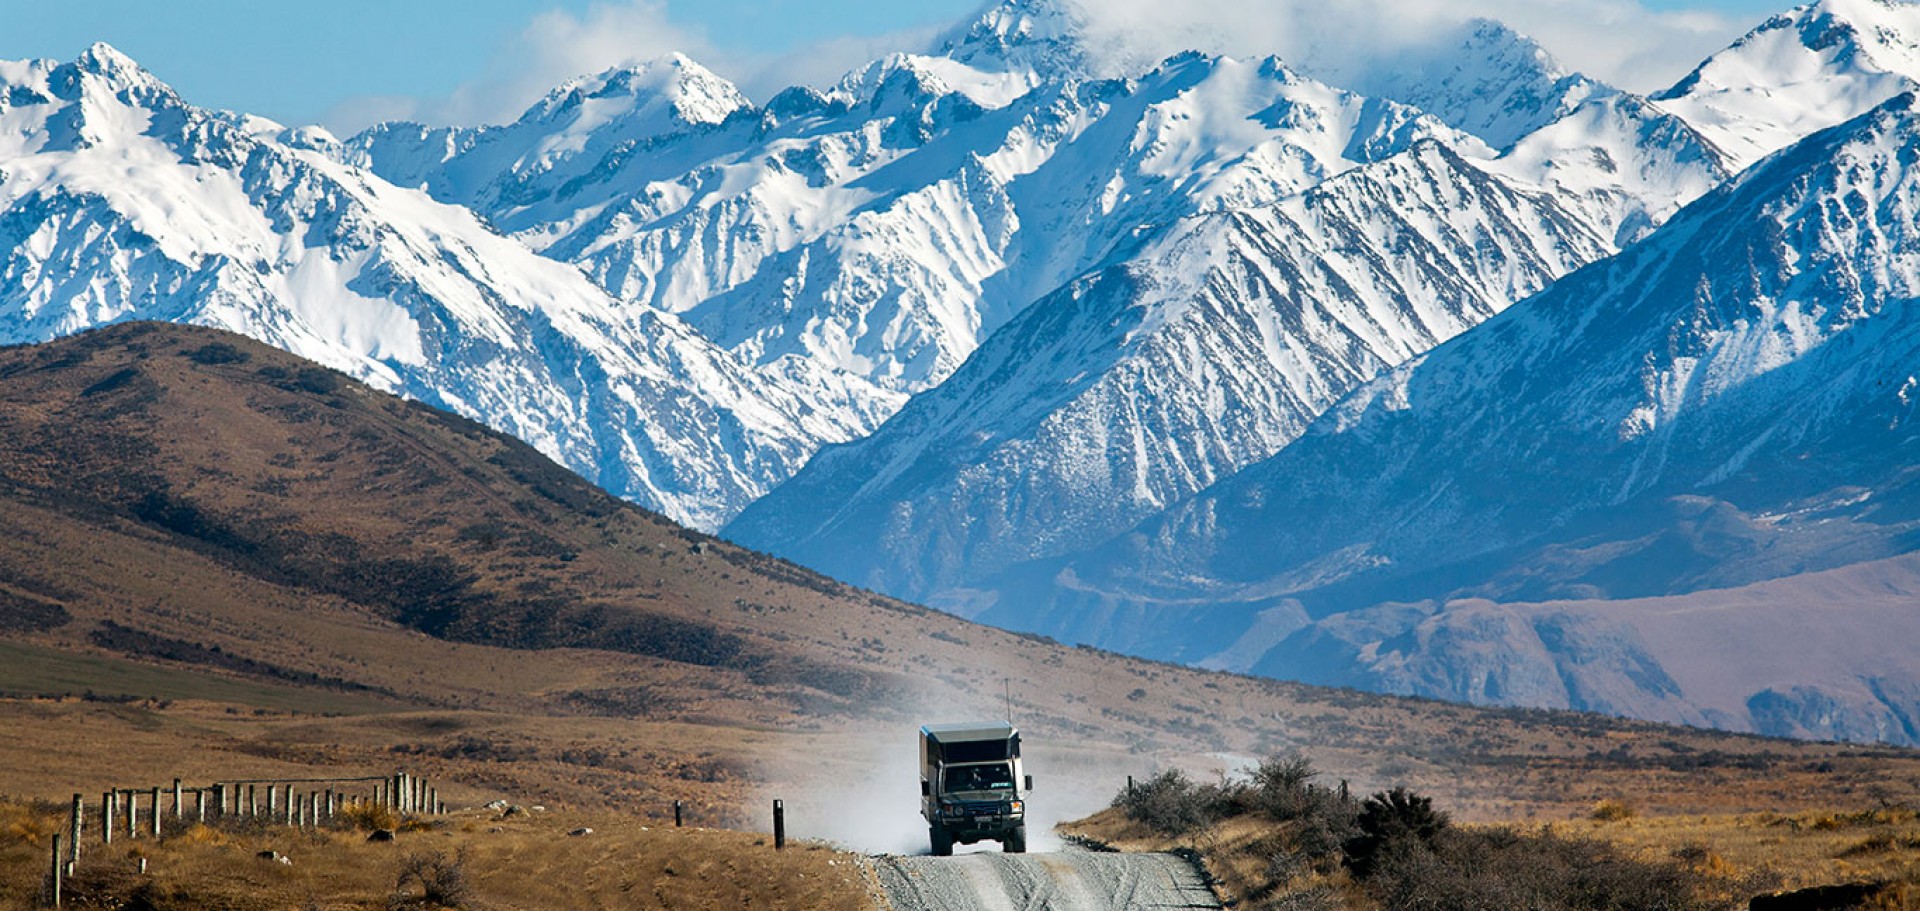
x,y
860,789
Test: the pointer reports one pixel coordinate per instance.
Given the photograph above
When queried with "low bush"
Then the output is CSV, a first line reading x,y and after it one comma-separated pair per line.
x,y
442,882
1318,820
369,816
1321,819
1170,803
1612,811
1392,821
1459,870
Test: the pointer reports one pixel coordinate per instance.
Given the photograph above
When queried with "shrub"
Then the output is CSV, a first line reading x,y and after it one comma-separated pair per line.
x,y
1397,820
1507,868
1322,819
1283,786
1612,811
442,881
215,353
1170,803
369,816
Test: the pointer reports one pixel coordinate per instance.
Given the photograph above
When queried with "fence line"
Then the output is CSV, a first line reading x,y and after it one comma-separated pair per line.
x,y
235,798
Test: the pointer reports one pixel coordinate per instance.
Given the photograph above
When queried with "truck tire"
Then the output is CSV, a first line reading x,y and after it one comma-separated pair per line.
x,y
1016,841
942,840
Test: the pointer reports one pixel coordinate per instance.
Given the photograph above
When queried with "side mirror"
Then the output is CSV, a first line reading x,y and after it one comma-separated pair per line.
x,y
927,789
1029,782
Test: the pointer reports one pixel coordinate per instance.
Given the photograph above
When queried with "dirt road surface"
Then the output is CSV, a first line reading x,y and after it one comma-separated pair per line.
x,y
1070,880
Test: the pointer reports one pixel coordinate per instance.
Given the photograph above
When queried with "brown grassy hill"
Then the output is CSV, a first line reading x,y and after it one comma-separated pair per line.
x,y
223,561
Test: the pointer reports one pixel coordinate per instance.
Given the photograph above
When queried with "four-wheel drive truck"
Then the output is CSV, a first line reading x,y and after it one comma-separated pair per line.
x,y
970,785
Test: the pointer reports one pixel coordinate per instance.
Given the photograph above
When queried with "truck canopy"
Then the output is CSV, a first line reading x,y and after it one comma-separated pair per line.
x,y
970,742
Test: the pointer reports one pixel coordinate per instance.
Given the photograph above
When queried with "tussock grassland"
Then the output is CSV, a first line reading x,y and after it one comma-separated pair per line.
x,y
1782,851
526,861
1281,841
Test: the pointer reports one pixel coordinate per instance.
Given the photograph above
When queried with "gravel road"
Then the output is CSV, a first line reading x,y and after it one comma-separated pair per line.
x,y
1070,880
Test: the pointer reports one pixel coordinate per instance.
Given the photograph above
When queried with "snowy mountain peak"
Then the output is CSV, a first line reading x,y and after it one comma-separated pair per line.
x,y
1041,39
1486,79
105,68
1800,72
104,59
675,85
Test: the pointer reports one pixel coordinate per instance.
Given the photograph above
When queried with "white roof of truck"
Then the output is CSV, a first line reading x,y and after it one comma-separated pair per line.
x,y
961,732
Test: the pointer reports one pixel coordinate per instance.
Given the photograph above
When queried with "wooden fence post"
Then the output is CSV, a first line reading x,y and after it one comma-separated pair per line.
x,y
178,809
133,813
200,805
253,802
155,807
779,825
76,824
56,870
676,814
273,800
106,817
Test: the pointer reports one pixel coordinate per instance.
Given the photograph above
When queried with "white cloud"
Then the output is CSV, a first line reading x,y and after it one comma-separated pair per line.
x,y
822,64
554,47
1619,41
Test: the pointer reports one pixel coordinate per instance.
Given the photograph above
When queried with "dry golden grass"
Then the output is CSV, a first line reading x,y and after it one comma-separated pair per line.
x,y
1777,851
526,862
1737,856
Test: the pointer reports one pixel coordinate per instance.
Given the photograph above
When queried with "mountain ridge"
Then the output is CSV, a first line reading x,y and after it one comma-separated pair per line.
x,y
1696,428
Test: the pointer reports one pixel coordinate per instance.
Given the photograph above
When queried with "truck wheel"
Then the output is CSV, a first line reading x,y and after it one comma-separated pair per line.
x,y
1016,841
942,840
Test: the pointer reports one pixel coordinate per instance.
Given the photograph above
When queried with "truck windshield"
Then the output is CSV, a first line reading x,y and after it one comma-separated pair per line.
x,y
992,776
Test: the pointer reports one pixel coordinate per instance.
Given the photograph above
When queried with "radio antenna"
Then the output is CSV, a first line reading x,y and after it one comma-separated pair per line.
x,y
1007,684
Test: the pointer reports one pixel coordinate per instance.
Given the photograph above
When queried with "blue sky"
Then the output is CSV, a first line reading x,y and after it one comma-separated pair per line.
x,y
348,62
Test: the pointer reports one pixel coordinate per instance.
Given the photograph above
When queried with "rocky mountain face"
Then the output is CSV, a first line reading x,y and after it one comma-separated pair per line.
x,y
1209,348
1242,297
1727,404
1572,551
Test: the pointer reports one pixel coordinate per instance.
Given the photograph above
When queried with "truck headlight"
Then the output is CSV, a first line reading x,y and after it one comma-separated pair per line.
x,y
1017,807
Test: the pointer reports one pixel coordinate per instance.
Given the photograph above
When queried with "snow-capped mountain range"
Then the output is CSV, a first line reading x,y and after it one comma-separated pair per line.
x,y
1726,404
119,200
951,324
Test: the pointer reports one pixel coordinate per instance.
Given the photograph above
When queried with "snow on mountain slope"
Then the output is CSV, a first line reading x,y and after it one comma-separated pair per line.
x,y
1730,401
869,238
1204,193
1209,346
861,244
1619,161
1799,72
533,172
1486,79
119,201
862,241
